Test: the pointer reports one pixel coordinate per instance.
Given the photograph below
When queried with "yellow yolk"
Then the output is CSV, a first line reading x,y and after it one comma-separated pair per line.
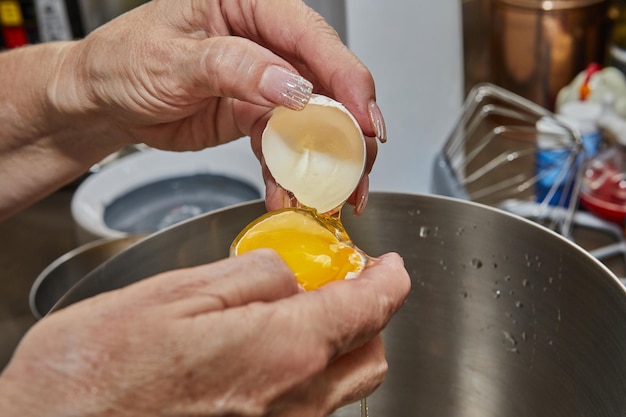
x,y
306,243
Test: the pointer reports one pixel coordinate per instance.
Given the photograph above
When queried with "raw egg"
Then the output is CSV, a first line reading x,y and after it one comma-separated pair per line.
x,y
315,247
318,155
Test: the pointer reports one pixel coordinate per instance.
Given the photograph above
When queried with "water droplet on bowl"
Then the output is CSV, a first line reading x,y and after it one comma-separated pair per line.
x,y
476,263
509,338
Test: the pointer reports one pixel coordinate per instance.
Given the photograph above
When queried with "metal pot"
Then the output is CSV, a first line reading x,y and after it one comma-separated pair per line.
x,y
505,318
533,47
538,47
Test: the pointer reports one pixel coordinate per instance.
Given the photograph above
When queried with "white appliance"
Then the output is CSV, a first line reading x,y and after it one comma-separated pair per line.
x,y
154,189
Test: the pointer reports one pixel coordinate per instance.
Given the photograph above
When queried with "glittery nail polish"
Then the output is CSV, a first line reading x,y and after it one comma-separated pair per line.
x,y
285,87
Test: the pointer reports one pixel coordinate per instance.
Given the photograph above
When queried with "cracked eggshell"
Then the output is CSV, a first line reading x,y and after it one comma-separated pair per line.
x,y
318,153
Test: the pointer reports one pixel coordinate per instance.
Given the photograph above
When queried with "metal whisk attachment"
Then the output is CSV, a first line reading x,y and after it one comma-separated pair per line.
x,y
508,152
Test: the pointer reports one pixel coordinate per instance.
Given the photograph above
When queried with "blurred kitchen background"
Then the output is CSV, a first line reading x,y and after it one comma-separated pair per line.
x,y
426,56
414,50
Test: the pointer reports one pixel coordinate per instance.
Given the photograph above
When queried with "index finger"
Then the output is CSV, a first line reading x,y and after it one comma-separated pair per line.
x,y
301,36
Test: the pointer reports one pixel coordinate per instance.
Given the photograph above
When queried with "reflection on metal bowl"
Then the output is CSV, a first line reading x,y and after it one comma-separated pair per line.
x,y
505,318
61,275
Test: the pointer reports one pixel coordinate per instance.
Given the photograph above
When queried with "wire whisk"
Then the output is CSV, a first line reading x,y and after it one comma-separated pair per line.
x,y
508,152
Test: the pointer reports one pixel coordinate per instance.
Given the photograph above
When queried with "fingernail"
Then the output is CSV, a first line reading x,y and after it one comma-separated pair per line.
x,y
392,255
378,123
280,85
361,203
362,195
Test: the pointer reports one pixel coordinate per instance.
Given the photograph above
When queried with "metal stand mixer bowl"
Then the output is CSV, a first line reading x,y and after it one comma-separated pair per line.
x,y
505,318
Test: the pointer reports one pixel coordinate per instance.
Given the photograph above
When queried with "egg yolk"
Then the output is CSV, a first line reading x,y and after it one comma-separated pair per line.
x,y
308,244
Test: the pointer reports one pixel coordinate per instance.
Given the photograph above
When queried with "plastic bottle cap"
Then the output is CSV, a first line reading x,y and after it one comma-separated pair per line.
x,y
581,115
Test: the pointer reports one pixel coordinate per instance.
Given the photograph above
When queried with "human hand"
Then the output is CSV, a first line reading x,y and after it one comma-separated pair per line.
x,y
187,75
232,338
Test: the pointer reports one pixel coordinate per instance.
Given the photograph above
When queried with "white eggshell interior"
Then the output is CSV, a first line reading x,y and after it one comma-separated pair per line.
x,y
318,153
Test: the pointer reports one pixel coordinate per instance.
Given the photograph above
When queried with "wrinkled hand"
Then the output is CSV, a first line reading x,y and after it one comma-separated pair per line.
x,y
188,75
215,340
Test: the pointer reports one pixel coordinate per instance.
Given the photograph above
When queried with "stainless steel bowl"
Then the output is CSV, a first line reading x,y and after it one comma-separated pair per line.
x,y
62,274
505,318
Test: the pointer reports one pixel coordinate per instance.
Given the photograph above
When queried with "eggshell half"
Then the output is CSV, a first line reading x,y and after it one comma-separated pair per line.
x,y
318,153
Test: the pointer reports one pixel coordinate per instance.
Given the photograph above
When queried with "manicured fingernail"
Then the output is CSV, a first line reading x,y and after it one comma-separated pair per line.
x,y
280,85
378,123
362,194
360,205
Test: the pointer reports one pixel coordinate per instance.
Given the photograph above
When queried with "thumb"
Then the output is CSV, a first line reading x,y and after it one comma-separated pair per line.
x,y
241,69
